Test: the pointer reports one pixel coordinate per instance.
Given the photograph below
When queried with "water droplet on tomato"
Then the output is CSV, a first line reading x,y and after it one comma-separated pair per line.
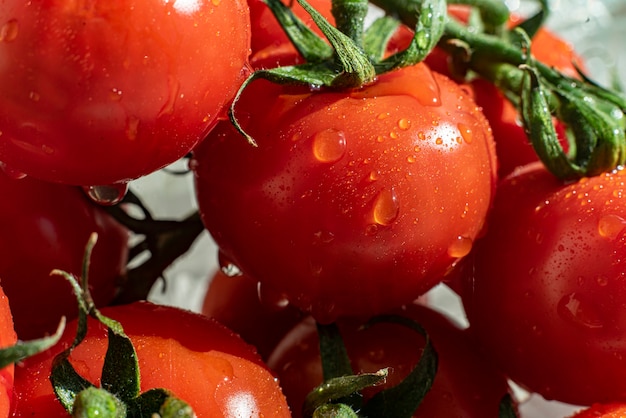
x,y
270,298
323,237
107,195
132,127
9,31
227,266
611,226
329,145
386,207
404,124
602,280
577,310
460,247
11,172
115,95
466,133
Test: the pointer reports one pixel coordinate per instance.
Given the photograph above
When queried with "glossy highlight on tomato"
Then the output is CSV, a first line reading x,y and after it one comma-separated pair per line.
x,y
196,358
46,226
354,202
100,92
546,293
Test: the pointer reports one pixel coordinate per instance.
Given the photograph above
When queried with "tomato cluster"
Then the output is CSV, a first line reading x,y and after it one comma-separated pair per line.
x,y
333,207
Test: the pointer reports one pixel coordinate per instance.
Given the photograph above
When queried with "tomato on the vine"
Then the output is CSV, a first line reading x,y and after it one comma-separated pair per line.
x,y
354,202
466,385
546,293
44,226
8,338
101,92
236,303
194,357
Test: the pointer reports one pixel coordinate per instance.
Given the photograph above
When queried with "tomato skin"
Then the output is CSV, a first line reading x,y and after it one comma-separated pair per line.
x,y
466,385
545,298
198,359
46,226
613,410
104,92
8,338
376,186
235,302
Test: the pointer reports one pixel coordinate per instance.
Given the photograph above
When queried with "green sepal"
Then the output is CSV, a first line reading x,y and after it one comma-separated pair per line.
x,y
312,48
350,18
120,373
24,349
377,37
532,25
66,382
494,14
339,388
431,17
159,403
402,400
507,407
334,410
93,402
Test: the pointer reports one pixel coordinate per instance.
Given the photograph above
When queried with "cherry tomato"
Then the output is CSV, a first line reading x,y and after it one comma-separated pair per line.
x,y
547,291
8,338
100,92
46,226
354,202
196,358
465,385
259,320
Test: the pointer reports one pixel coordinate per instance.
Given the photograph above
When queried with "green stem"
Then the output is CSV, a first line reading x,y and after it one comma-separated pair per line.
x,y
350,18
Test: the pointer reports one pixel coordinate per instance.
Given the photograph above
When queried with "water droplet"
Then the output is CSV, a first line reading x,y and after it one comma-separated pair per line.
x,y
271,298
411,159
602,281
329,145
404,124
371,230
611,226
374,175
421,136
107,195
386,207
174,88
34,96
132,127
11,172
227,266
382,116
438,141
115,95
460,247
575,309
9,31
323,237
466,133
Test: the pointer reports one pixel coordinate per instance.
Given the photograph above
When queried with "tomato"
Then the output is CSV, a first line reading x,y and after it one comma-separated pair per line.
x,y
354,202
512,145
46,226
270,45
547,291
465,385
613,410
259,320
8,338
196,358
101,92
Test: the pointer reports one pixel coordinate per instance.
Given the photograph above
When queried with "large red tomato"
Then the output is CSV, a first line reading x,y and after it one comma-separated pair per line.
x,y
196,358
466,385
546,294
46,226
105,91
7,338
354,202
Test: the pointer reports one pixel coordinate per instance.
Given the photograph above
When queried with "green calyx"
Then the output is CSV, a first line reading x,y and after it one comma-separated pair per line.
x,y
119,394
351,56
592,115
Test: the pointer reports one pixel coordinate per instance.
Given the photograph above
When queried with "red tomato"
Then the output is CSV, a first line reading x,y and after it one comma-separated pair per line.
x,y
259,320
270,45
512,145
465,385
7,338
105,91
46,226
196,358
613,410
354,202
547,293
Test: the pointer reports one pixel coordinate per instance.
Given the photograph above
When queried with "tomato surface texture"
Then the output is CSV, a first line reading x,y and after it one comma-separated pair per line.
x,y
354,202
103,91
8,337
547,296
196,358
46,226
466,385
